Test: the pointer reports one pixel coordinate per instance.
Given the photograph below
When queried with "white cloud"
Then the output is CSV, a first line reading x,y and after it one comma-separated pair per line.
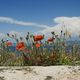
x,y
22,23
71,24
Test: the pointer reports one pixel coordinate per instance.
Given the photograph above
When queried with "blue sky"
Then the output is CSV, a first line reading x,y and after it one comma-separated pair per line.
x,y
41,12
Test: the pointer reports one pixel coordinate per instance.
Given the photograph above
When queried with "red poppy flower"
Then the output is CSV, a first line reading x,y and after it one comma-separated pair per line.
x,y
38,44
50,39
20,46
38,38
9,43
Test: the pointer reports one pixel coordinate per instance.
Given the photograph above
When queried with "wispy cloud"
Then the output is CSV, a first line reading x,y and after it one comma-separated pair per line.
x,y
71,24
22,23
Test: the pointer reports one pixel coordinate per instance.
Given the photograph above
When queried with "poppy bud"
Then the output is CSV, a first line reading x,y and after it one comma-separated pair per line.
x,y
17,40
8,34
21,38
12,36
31,36
2,40
28,33
26,38
33,43
61,31
53,33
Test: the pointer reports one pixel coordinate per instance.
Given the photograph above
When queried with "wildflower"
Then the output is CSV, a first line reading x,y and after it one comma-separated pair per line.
x,y
9,43
33,43
27,37
21,38
17,40
12,36
28,33
38,44
20,46
61,31
53,33
38,37
50,39
8,34
2,41
31,36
